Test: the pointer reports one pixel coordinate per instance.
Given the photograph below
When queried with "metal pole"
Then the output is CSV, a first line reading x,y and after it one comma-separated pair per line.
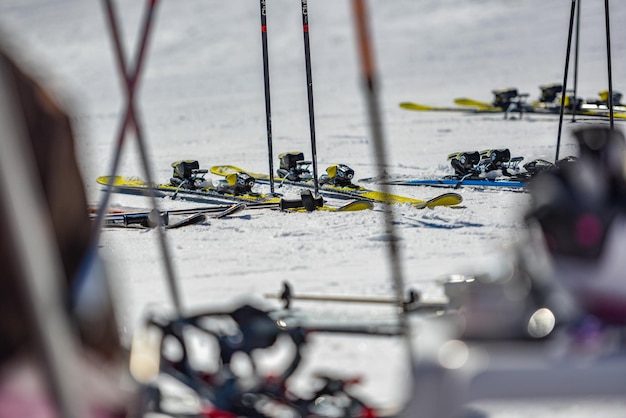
x,y
131,79
268,109
576,49
608,59
370,87
309,81
130,119
564,94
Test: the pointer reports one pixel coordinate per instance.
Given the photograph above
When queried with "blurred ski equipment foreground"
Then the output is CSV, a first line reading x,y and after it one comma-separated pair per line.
x,y
60,353
549,314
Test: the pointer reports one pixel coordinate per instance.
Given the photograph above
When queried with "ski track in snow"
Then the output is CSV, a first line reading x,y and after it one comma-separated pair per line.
x,y
201,97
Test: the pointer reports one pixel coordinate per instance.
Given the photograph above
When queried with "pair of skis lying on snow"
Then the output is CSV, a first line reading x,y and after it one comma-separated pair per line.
x,y
491,168
360,197
153,218
453,182
210,195
474,106
349,191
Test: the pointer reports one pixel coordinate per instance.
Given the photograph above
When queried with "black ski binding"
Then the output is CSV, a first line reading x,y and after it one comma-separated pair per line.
x,y
294,167
464,163
475,164
553,94
237,184
549,92
510,100
495,159
338,175
539,165
503,97
188,175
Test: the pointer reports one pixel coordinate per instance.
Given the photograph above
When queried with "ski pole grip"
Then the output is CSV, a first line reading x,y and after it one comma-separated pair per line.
x,y
286,204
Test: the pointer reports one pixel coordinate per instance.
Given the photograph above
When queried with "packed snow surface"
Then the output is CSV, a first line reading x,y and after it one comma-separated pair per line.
x,y
201,96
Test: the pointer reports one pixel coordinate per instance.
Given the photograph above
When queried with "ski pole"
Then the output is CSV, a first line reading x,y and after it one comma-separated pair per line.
x,y
309,81
370,86
564,93
608,60
131,78
576,49
266,77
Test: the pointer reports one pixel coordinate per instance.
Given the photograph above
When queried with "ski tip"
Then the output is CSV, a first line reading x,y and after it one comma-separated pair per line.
x,y
190,220
236,208
415,106
356,205
445,199
106,180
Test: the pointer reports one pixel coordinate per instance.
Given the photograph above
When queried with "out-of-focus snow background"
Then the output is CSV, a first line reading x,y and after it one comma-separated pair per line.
x,y
201,97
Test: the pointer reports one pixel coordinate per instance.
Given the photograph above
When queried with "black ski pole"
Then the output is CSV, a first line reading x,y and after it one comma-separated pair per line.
x,y
576,48
608,59
268,109
309,80
564,93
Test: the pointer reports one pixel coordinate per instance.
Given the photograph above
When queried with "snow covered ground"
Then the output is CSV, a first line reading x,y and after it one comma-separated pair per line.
x,y
201,97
